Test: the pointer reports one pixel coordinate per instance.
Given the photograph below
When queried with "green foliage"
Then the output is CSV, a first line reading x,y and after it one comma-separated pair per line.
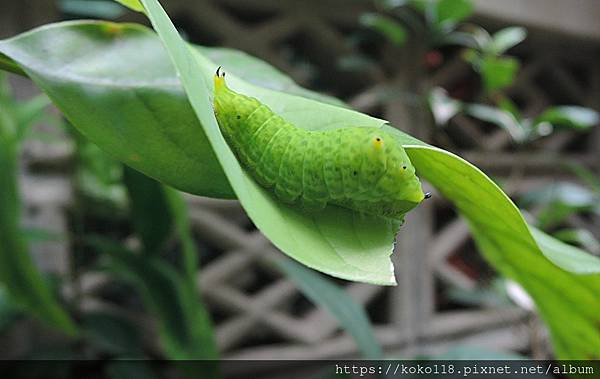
x,y
387,26
98,179
149,209
453,11
159,213
327,295
507,116
572,117
560,200
505,39
498,72
566,256
498,227
132,4
18,274
580,237
9,311
183,324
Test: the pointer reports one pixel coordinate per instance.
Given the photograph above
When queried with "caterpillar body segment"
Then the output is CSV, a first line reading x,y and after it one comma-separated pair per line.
x,y
363,169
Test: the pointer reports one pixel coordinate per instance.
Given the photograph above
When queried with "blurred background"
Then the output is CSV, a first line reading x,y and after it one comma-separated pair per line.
x,y
512,86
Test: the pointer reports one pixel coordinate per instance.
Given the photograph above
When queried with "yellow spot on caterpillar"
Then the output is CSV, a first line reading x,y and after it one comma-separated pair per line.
x,y
219,79
377,143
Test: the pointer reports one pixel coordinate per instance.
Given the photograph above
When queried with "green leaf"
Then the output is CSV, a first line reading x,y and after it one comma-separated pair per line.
x,y
9,311
559,201
134,5
150,210
498,230
322,292
506,38
98,179
569,116
178,208
453,11
502,118
498,72
21,278
184,326
566,301
442,106
101,99
387,26
581,237
567,256
506,104
336,241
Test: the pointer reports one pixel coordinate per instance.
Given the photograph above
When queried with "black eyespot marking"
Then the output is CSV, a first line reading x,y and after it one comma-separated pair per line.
x,y
378,139
238,117
404,167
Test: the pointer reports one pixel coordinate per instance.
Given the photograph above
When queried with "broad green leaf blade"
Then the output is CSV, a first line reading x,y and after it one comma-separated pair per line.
x,y
150,211
335,240
567,302
18,274
260,73
322,292
184,325
105,94
169,144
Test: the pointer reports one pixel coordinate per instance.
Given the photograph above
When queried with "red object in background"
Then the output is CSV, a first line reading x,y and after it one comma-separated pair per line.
x,y
433,59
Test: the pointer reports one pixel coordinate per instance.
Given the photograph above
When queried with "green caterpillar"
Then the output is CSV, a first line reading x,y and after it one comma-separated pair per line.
x,y
363,169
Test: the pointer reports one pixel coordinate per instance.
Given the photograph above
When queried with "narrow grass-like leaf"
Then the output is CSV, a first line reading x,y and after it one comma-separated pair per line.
x,y
22,280
150,210
184,325
324,293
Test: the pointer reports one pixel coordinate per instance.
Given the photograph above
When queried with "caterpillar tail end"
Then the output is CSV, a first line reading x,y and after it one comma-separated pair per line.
x,y
219,79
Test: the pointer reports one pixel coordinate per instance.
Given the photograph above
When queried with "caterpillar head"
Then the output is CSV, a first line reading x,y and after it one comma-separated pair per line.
x,y
400,178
